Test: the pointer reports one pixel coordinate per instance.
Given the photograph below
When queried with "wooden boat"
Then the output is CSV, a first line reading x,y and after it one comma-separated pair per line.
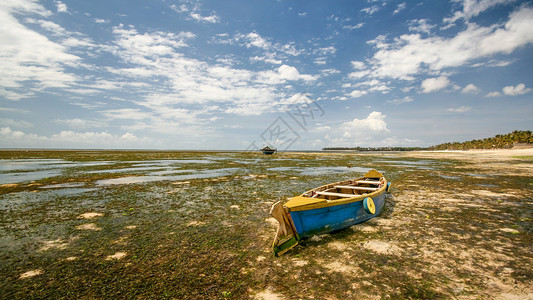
x,y
328,208
268,150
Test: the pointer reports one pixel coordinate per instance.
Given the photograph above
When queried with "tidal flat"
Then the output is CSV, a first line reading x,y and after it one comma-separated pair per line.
x,y
196,225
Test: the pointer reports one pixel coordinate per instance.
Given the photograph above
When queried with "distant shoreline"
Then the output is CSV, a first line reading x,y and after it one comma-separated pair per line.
x,y
482,152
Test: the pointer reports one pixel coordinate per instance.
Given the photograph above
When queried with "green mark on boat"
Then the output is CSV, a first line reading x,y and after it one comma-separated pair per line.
x,y
285,245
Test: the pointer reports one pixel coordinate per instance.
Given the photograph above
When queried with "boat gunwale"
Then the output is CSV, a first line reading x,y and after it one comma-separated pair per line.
x,y
341,201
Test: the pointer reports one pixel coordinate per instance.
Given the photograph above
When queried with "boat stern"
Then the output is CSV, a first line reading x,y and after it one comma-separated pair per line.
x,y
286,236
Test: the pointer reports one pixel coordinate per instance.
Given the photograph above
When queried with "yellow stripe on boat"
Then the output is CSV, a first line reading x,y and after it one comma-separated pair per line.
x,y
299,201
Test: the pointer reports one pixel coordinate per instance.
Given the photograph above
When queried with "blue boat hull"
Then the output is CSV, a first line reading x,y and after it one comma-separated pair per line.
x,y
327,219
328,208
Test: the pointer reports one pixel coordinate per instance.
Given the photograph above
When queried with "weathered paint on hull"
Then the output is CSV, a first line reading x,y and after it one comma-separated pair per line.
x,y
327,219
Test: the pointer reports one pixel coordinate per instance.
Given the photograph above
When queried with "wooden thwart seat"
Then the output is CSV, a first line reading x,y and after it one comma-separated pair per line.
x,y
337,194
360,188
368,182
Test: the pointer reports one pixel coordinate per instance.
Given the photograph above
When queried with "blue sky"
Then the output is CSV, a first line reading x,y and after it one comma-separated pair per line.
x,y
242,74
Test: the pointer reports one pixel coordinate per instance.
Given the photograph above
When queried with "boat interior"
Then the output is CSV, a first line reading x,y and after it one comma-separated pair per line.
x,y
347,189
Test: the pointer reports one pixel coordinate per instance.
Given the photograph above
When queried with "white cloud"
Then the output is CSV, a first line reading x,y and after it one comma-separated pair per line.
x,y
268,58
470,89
472,8
207,19
101,21
493,94
324,53
128,136
373,86
359,74
410,54
255,40
373,123
358,65
283,74
519,89
353,27
191,81
15,96
145,48
15,123
61,7
357,93
328,72
434,84
291,73
30,57
193,13
7,134
420,25
326,50
517,32
298,99
370,10
320,60
461,109
52,27
358,132
399,8
71,139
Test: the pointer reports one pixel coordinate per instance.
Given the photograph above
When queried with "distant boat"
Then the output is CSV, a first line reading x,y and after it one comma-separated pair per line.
x,y
268,150
328,208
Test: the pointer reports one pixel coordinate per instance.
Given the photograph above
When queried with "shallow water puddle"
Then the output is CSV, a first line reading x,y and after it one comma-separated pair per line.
x,y
310,171
124,170
168,162
152,178
164,167
19,177
332,170
63,185
70,191
449,177
23,170
32,164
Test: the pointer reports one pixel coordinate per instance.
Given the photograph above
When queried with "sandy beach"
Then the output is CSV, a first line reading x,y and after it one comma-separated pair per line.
x,y
473,154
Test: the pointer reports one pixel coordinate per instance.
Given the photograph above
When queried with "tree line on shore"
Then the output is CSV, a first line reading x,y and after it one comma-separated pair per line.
x,y
500,141
373,148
